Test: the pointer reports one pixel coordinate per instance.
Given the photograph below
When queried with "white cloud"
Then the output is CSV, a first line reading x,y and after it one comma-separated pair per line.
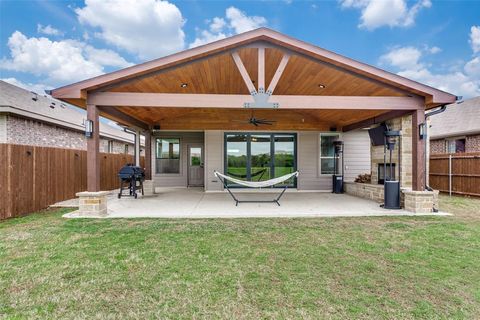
x,y
392,13
475,38
403,58
235,21
35,87
240,22
58,62
434,50
147,28
48,30
407,61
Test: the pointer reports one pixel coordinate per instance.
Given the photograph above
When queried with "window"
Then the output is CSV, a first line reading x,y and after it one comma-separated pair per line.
x,y
327,152
455,145
126,149
168,155
110,146
260,156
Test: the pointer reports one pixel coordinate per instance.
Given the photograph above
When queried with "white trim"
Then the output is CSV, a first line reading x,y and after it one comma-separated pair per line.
x,y
319,156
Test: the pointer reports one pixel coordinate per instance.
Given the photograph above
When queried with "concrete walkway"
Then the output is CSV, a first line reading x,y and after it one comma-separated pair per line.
x,y
195,203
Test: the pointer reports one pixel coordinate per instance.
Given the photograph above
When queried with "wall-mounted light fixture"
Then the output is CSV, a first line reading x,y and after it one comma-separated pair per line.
x,y
88,128
421,131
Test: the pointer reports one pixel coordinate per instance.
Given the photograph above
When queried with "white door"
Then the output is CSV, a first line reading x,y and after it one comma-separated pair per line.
x,y
195,165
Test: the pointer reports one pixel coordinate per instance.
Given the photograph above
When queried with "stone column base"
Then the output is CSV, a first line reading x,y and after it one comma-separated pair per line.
x,y
421,201
92,204
148,188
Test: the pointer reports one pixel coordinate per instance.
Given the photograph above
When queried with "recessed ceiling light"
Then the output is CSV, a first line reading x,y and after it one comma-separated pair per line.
x,y
183,85
321,86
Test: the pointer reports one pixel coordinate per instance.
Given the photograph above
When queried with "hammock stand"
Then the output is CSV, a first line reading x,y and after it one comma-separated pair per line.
x,y
223,178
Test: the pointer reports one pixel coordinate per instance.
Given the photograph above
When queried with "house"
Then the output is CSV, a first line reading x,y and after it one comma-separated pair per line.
x,y
31,119
258,105
457,129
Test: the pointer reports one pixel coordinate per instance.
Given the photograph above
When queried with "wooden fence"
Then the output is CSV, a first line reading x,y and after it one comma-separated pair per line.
x,y
32,178
459,173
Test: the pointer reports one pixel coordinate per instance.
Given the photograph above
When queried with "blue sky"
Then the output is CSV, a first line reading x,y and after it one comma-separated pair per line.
x,y
46,44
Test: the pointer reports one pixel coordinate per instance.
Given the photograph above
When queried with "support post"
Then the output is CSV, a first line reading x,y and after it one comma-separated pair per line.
x,y
418,152
93,156
137,147
261,70
148,155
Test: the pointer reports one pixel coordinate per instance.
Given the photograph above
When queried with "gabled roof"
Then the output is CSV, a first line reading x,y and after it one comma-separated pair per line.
x,y
77,92
18,101
458,119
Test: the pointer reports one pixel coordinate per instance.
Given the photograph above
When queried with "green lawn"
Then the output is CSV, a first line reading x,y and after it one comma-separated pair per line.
x,y
423,267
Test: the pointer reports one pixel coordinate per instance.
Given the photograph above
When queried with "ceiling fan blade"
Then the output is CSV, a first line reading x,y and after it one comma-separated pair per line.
x,y
266,121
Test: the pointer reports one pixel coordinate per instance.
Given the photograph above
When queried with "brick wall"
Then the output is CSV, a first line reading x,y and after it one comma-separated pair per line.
x,y
405,125
35,133
472,143
437,146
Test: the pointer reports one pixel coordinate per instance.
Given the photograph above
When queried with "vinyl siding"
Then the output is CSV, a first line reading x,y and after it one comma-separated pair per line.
x,y
213,159
357,153
175,180
308,157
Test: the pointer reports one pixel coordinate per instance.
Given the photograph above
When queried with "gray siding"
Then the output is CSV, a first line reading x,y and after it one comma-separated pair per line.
x,y
308,157
175,180
357,153
213,159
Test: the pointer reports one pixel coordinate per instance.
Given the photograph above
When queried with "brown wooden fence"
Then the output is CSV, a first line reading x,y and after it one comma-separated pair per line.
x,y
32,178
464,177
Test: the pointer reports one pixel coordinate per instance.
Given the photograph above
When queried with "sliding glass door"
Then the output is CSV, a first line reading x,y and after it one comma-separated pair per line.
x,y
260,156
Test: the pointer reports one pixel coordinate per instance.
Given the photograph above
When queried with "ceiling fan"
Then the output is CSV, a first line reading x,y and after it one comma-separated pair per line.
x,y
256,122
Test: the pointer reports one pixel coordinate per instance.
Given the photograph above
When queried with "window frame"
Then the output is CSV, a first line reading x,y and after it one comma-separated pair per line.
x,y
180,150
319,152
454,140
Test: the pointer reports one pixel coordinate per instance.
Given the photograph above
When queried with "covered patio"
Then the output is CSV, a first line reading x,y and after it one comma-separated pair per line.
x,y
198,110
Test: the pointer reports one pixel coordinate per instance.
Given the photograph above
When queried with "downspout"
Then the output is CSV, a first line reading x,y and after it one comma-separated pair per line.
x,y
441,109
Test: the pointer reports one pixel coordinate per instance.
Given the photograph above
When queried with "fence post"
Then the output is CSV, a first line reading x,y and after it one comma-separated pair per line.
x,y
450,175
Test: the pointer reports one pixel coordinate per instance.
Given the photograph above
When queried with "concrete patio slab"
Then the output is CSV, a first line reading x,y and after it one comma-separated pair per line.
x,y
195,203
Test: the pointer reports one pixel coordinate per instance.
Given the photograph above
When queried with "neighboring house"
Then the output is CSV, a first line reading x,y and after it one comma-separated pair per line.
x,y
33,119
457,129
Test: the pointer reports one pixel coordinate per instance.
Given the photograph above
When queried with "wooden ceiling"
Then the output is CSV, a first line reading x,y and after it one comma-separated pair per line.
x,y
219,75
235,119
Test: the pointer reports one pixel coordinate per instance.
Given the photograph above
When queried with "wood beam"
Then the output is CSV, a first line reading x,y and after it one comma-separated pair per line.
x,y
133,99
375,120
148,155
244,73
137,147
93,145
276,77
118,115
261,69
418,152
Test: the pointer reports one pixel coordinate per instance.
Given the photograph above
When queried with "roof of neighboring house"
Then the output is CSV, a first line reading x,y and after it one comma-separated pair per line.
x,y
461,118
16,100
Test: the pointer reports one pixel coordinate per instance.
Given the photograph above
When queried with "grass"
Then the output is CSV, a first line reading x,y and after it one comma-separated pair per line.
x,y
341,268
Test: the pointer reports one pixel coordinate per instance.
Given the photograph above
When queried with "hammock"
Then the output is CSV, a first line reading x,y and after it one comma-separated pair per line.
x,y
255,184
244,176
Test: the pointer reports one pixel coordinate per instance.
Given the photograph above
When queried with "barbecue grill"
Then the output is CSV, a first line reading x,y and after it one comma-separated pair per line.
x,y
131,178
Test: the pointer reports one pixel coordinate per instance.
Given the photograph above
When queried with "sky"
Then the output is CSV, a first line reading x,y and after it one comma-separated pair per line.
x,y
48,44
